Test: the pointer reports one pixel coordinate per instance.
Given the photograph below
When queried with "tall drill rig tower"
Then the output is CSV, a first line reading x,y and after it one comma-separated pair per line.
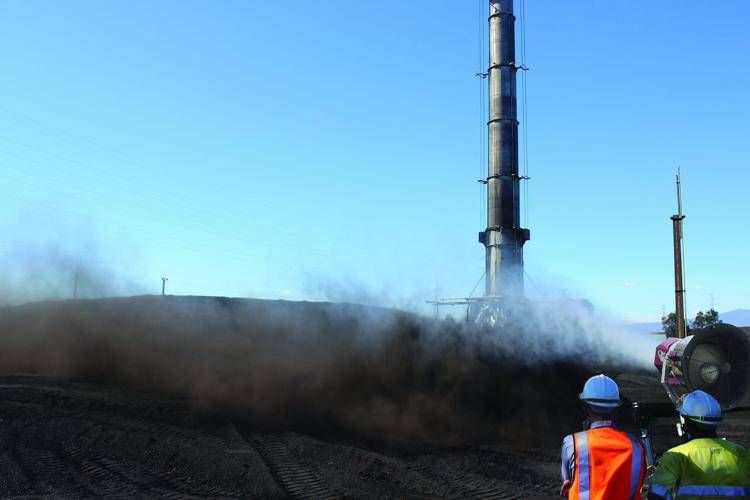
x,y
504,237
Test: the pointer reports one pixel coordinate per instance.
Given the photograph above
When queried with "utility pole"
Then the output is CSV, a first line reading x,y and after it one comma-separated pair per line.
x,y
504,237
75,285
679,286
164,286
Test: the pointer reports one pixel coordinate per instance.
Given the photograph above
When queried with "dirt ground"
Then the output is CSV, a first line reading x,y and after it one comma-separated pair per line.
x,y
62,438
70,439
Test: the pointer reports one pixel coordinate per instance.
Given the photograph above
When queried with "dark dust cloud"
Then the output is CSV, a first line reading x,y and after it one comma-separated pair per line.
x,y
372,373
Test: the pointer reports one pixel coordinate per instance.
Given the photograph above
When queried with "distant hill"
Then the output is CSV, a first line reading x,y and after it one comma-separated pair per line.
x,y
738,317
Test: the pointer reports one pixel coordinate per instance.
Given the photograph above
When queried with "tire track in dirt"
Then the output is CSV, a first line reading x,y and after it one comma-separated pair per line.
x,y
464,484
294,476
107,477
354,470
67,445
50,471
132,479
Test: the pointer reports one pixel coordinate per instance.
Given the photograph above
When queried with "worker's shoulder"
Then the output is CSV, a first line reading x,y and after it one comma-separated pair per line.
x,y
733,447
703,443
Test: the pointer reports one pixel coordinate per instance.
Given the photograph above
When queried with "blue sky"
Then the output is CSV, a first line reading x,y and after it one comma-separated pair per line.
x,y
252,148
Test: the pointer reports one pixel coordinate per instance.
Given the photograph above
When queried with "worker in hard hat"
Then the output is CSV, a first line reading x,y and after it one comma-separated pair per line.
x,y
601,462
706,466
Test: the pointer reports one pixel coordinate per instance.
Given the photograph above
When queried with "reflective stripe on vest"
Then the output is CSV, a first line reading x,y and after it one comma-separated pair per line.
x,y
661,491
609,465
714,491
582,459
636,466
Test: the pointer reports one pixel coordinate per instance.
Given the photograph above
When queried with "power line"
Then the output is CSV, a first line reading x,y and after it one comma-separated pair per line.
x,y
184,244
179,222
181,207
207,253
178,244
45,128
190,203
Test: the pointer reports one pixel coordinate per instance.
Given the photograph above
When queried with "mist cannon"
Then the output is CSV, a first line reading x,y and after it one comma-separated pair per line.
x,y
715,359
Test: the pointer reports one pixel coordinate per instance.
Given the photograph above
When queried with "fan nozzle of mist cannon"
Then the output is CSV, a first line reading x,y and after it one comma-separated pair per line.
x,y
715,359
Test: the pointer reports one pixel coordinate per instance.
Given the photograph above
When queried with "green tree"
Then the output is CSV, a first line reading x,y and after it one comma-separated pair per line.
x,y
669,324
704,319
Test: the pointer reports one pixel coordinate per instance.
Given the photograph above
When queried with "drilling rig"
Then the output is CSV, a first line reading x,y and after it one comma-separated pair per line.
x,y
503,238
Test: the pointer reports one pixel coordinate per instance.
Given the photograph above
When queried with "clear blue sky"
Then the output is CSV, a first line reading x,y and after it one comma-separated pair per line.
x,y
331,149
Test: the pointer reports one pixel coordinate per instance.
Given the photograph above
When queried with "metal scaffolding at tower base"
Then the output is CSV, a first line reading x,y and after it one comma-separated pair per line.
x,y
488,311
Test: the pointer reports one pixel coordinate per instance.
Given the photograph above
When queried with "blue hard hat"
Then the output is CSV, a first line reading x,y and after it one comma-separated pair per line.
x,y
701,407
601,391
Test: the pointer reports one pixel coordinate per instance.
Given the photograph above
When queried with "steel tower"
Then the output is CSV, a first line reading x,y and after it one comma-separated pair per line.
x,y
504,237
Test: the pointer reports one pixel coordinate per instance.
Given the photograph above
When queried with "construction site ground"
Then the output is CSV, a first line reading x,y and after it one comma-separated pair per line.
x,y
71,439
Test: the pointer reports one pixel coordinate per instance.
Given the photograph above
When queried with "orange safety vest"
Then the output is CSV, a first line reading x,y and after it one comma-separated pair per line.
x,y
609,465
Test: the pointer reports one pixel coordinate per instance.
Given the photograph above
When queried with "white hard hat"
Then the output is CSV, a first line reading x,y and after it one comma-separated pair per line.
x,y
602,391
701,407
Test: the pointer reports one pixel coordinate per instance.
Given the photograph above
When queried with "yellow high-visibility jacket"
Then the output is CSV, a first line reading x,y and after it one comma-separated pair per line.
x,y
705,469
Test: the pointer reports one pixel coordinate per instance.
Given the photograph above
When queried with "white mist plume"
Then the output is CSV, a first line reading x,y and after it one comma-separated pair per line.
x,y
45,260
576,324
548,327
